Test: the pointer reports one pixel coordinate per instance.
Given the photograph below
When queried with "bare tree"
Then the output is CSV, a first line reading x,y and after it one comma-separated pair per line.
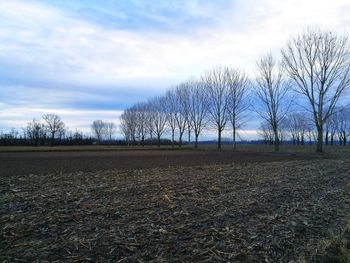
x,y
311,134
330,128
170,109
128,123
238,103
197,109
125,128
159,117
217,99
297,124
54,125
13,133
318,63
282,134
98,129
186,105
266,132
150,129
141,122
35,131
110,129
9,137
271,92
342,118
291,124
181,110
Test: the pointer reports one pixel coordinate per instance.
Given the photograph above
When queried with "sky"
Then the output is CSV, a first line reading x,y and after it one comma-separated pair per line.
x,y
86,60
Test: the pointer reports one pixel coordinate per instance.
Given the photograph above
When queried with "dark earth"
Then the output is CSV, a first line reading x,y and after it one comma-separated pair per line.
x,y
12,163
174,206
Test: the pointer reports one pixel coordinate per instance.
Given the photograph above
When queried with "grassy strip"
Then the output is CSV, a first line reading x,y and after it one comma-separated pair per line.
x,y
7,149
339,150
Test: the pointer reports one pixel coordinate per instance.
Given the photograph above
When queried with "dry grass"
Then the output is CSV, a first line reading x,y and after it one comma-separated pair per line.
x,y
335,149
335,248
84,148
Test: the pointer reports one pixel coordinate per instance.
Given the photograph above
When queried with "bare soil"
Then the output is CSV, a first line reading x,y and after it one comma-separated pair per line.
x,y
255,208
13,163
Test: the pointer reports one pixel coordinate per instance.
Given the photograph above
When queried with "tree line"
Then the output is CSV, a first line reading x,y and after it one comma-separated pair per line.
x,y
301,97
299,129
303,94
51,130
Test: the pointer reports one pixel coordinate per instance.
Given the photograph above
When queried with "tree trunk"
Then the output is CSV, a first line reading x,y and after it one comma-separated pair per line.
x,y
196,143
219,139
276,141
52,138
319,139
151,136
234,137
172,137
158,137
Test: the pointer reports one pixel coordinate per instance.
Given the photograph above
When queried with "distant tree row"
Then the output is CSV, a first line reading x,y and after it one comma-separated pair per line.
x,y
299,128
103,130
218,98
49,130
312,76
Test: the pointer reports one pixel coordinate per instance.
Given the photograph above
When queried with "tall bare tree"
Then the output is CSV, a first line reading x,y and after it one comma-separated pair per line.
x,y
150,129
342,119
217,99
141,121
297,124
128,124
36,132
238,99
318,63
125,128
266,132
170,109
110,130
197,108
181,109
330,128
271,92
159,117
54,125
98,129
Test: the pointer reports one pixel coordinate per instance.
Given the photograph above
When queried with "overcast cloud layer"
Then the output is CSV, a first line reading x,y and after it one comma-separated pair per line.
x,y
87,60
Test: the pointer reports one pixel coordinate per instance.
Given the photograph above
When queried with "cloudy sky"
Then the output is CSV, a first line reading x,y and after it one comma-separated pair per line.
x,y
89,59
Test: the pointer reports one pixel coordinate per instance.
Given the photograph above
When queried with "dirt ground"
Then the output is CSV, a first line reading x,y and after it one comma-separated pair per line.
x,y
13,163
232,207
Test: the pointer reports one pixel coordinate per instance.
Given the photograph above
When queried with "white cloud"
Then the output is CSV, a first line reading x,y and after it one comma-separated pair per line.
x,y
80,51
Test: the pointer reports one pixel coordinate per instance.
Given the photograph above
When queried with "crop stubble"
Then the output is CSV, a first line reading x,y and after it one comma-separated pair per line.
x,y
276,211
